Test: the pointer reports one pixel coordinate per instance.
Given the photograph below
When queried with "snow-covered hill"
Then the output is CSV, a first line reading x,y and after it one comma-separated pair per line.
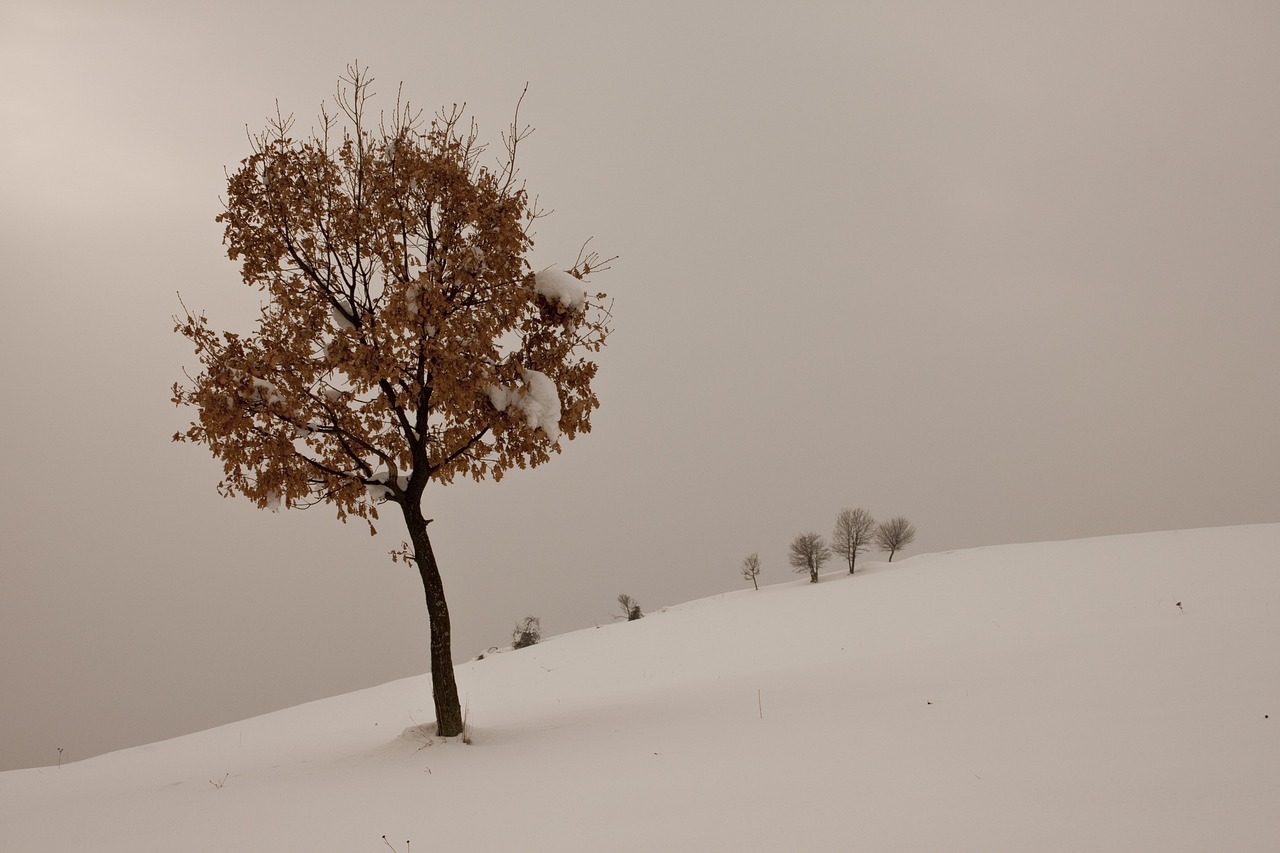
x,y
1117,694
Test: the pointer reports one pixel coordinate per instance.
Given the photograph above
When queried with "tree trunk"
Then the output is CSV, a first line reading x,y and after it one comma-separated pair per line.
x,y
444,687
753,583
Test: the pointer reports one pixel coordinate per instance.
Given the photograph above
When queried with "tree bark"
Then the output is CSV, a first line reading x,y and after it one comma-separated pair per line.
x,y
444,687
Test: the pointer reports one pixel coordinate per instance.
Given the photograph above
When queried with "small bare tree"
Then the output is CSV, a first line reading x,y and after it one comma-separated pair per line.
x,y
894,534
808,552
630,608
751,569
527,633
852,536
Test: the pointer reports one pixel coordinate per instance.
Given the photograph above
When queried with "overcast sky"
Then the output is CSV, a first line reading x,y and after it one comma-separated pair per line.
x,y
1008,269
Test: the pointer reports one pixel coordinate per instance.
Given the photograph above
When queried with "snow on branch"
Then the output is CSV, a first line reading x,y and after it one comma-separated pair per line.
x,y
561,288
537,398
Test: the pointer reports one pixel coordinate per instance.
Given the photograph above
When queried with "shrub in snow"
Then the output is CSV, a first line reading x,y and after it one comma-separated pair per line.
x,y
894,535
751,569
808,553
527,633
854,531
630,608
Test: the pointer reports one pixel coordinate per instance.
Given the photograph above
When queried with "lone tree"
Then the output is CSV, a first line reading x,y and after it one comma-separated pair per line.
x,y
853,533
751,569
403,337
808,553
894,534
527,633
630,608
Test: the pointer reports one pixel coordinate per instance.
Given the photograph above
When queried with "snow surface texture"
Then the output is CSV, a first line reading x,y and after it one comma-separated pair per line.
x,y
537,398
559,287
1115,694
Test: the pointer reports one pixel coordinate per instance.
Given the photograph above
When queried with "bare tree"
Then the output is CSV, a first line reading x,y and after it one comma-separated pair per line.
x,y
808,552
403,338
527,633
894,534
630,608
751,569
852,536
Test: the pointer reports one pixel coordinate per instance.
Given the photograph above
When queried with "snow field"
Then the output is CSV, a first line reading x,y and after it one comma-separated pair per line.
x,y
1049,697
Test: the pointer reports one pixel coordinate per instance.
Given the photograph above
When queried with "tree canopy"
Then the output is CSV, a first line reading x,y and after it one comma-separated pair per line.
x,y
403,330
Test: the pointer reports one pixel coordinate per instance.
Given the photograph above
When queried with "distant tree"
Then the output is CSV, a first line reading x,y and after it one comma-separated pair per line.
x,y
630,608
808,553
853,534
403,339
527,633
894,534
751,569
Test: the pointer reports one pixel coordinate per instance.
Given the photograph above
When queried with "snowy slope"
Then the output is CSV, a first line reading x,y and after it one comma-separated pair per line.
x,y
1048,697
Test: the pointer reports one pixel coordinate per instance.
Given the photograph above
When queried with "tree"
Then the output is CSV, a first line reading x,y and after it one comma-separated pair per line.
x,y
894,534
630,608
853,533
527,633
751,569
808,553
403,337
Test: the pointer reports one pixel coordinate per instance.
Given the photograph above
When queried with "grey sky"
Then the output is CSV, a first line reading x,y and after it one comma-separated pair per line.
x,y
1008,269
